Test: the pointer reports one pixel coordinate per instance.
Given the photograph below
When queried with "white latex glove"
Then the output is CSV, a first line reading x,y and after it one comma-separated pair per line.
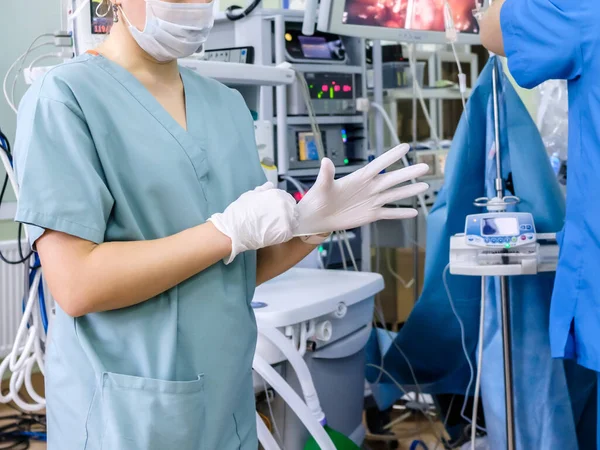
x,y
260,218
358,199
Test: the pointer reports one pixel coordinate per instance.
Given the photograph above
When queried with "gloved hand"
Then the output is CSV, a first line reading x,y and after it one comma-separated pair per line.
x,y
260,218
358,199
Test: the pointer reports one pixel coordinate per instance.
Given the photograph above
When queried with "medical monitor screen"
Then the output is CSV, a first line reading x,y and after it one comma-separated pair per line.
x,y
314,47
102,18
333,86
419,15
500,226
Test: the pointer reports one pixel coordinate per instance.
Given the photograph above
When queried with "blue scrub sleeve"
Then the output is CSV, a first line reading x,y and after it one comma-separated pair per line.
x,y
542,39
61,180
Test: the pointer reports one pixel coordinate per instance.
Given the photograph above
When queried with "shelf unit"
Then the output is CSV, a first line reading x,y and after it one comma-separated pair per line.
x,y
326,120
236,74
265,30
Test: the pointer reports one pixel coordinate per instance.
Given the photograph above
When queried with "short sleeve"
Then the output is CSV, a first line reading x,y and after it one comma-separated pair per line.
x,y
61,182
542,40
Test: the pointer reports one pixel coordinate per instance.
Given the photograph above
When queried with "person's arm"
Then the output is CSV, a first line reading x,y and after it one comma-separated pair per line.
x,y
490,29
540,38
277,259
85,277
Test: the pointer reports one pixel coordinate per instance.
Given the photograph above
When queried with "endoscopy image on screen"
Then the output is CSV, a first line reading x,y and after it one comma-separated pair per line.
x,y
420,15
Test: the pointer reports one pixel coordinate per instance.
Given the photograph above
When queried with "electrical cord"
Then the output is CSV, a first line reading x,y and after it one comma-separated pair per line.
x,y
21,59
5,147
463,344
401,388
311,114
229,12
479,367
273,421
18,430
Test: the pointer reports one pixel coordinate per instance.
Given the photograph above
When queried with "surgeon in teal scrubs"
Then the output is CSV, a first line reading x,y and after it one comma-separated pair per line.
x,y
142,192
559,39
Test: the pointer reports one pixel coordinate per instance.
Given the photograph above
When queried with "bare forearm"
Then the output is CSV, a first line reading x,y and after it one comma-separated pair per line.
x,y
491,31
275,260
115,275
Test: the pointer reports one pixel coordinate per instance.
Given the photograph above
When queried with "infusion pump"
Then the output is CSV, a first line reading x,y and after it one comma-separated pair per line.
x,y
504,243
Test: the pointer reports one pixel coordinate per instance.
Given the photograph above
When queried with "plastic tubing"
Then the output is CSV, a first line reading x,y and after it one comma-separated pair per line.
x,y
293,401
265,438
300,367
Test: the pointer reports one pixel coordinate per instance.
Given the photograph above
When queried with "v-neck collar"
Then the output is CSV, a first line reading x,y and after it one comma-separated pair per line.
x,y
152,105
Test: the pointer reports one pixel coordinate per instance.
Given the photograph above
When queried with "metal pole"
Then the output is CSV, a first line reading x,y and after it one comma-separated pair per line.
x,y
378,95
508,374
505,299
498,186
416,270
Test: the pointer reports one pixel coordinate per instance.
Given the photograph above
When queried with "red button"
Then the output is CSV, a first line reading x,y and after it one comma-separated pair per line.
x,y
523,237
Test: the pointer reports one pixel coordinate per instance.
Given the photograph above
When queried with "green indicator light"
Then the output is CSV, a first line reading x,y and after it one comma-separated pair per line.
x,y
319,95
310,86
331,92
346,161
506,245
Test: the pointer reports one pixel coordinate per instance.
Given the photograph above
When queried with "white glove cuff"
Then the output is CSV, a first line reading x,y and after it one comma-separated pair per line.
x,y
236,246
315,239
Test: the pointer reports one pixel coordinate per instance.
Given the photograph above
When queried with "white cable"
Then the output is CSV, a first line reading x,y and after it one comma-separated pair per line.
x,y
20,59
479,366
311,114
25,354
277,433
394,274
265,438
59,55
463,344
10,172
342,253
295,182
394,134
350,252
399,386
78,11
300,408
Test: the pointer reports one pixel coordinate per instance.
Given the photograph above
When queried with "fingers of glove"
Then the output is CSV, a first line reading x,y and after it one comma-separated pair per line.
x,y
326,175
384,161
391,179
393,195
395,213
265,187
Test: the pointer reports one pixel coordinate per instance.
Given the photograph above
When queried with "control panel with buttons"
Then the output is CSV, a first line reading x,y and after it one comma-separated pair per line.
x,y
500,230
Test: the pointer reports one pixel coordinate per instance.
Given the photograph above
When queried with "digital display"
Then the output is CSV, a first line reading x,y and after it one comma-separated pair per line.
x,y
500,226
419,15
307,147
314,47
336,86
101,25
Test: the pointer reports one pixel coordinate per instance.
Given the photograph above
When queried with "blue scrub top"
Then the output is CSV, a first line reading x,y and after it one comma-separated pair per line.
x,y
99,158
559,39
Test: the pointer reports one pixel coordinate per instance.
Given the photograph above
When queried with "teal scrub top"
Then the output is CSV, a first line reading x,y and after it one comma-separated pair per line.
x,y
99,158
559,39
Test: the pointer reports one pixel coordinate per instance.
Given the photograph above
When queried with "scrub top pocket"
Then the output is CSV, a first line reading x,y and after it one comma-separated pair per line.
x,y
147,414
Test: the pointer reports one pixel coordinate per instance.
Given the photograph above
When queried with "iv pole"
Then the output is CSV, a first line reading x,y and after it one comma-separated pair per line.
x,y
504,292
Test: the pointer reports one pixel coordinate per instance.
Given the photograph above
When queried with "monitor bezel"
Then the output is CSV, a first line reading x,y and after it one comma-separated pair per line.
x,y
330,21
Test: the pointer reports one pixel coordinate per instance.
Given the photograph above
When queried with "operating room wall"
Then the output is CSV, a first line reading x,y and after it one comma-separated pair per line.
x,y
21,21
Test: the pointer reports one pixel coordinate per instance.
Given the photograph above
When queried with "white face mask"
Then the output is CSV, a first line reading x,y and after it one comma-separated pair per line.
x,y
173,30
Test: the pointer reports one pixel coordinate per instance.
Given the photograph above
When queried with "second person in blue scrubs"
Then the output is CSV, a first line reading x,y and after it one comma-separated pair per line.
x,y
560,39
